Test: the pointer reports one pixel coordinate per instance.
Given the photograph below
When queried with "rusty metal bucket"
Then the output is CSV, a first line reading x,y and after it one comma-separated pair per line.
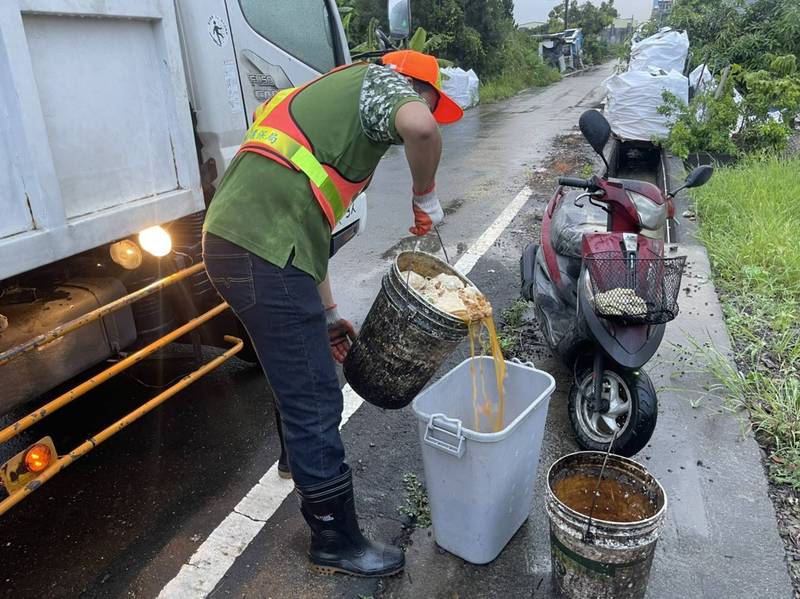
x,y
600,558
404,339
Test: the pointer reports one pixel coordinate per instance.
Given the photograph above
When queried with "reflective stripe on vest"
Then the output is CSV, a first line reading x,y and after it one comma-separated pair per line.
x,y
275,134
305,161
267,107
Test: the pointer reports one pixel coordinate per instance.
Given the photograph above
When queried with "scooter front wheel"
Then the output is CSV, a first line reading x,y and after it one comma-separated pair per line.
x,y
632,411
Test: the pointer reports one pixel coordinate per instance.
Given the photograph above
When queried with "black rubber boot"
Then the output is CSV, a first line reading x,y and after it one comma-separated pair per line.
x,y
337,544
283,462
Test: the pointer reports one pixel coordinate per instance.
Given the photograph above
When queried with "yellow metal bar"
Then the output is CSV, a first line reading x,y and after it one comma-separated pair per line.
x,y
97,314
76,392
85,447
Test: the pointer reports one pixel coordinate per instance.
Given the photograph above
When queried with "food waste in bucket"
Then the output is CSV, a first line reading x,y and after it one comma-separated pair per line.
x,y
424,310
450,294
603,529
613,500
481,484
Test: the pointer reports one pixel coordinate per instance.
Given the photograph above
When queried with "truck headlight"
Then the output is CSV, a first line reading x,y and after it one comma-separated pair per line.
x,y
155,241
126,253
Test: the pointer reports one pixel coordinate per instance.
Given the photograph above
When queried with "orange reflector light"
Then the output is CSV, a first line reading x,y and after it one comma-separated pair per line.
x,y
38,458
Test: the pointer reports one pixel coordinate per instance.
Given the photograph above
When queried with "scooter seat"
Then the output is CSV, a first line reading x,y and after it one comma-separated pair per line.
x,y
570,223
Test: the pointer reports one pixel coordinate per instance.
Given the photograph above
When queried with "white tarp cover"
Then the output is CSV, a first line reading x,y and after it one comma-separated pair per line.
x,y
701,79
666,50
634,98
463,86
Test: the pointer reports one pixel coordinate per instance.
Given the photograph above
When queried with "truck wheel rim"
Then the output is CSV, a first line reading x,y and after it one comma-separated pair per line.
x,y
600,427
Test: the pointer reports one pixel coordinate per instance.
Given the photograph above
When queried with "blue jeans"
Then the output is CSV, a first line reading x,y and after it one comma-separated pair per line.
x,y
283,314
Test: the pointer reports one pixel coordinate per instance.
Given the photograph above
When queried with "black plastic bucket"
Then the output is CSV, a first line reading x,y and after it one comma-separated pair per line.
x,y
404,339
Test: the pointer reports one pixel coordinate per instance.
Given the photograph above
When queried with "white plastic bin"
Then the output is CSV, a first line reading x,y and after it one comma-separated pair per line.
x,y
480,485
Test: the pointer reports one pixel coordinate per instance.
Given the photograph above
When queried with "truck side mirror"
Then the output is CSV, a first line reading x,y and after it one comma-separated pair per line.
x,y
400,18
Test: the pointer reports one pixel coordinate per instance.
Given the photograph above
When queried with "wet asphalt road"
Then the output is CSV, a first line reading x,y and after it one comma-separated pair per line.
x,y
122,521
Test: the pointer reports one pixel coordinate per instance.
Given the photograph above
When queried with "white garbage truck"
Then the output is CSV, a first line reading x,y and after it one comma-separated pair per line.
x,y
118,119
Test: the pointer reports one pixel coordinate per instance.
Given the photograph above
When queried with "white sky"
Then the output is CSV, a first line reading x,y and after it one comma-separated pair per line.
x,y
537,10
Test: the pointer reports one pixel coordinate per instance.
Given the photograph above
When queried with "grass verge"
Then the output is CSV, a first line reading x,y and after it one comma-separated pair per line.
x,y
513,81
522,68
749,220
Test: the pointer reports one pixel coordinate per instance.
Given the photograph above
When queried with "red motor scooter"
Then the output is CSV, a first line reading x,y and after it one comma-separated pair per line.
x,y
604,291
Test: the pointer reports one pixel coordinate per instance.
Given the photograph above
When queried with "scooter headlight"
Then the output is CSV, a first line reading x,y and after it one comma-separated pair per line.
x,y
651,215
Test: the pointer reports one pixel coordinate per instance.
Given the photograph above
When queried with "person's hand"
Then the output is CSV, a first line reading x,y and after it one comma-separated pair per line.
x,y
340,332
427,211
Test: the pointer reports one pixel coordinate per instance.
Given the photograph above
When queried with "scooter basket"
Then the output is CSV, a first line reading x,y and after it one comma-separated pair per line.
x,y
630,291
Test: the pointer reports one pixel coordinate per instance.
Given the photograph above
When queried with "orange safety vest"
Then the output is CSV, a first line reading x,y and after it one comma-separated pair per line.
x,y
275,134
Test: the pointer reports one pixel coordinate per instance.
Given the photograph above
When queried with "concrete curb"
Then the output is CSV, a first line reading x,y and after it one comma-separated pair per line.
x,y
721,478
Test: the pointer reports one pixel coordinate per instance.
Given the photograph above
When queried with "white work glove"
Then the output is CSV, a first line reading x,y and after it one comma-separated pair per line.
x,y
427,211
340,332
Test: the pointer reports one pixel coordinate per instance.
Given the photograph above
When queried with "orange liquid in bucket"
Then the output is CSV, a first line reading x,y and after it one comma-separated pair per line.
x,y
484,409
471,306
615,502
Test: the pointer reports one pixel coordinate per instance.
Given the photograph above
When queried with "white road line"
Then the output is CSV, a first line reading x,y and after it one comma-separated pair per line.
x,y
198,577
216,555
467,262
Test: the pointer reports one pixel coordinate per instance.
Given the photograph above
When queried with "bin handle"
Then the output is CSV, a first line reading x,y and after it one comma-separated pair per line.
x,y
445,426
529,364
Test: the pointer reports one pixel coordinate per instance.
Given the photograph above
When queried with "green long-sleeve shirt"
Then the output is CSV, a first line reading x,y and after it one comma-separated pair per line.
x,y
268,209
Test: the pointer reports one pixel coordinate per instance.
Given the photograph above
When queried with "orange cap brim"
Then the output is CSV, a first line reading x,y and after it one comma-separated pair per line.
x,y
447,111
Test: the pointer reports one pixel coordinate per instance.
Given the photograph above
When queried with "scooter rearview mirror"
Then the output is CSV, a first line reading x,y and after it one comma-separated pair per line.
x,y
596,130
699,176
696,178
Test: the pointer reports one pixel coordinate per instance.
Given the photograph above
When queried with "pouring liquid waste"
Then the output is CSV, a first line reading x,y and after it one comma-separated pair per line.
x,y
450,294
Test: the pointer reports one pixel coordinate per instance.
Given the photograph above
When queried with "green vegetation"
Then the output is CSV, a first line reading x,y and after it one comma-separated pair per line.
x,y
749,220
476,34
760,42
509,330
523,69
509,335
738,31
471,33
416,507
703,125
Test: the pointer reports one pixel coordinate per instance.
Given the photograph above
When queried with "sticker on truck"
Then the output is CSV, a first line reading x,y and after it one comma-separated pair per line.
x,y
232,86
218,31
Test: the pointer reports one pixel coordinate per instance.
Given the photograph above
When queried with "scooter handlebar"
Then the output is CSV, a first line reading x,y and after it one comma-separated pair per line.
x,y
575,182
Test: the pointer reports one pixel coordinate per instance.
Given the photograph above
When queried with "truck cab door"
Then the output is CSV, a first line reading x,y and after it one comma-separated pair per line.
x,y
283,43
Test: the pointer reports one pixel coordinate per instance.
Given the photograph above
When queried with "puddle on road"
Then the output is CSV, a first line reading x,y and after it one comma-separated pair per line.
x,y
429,244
